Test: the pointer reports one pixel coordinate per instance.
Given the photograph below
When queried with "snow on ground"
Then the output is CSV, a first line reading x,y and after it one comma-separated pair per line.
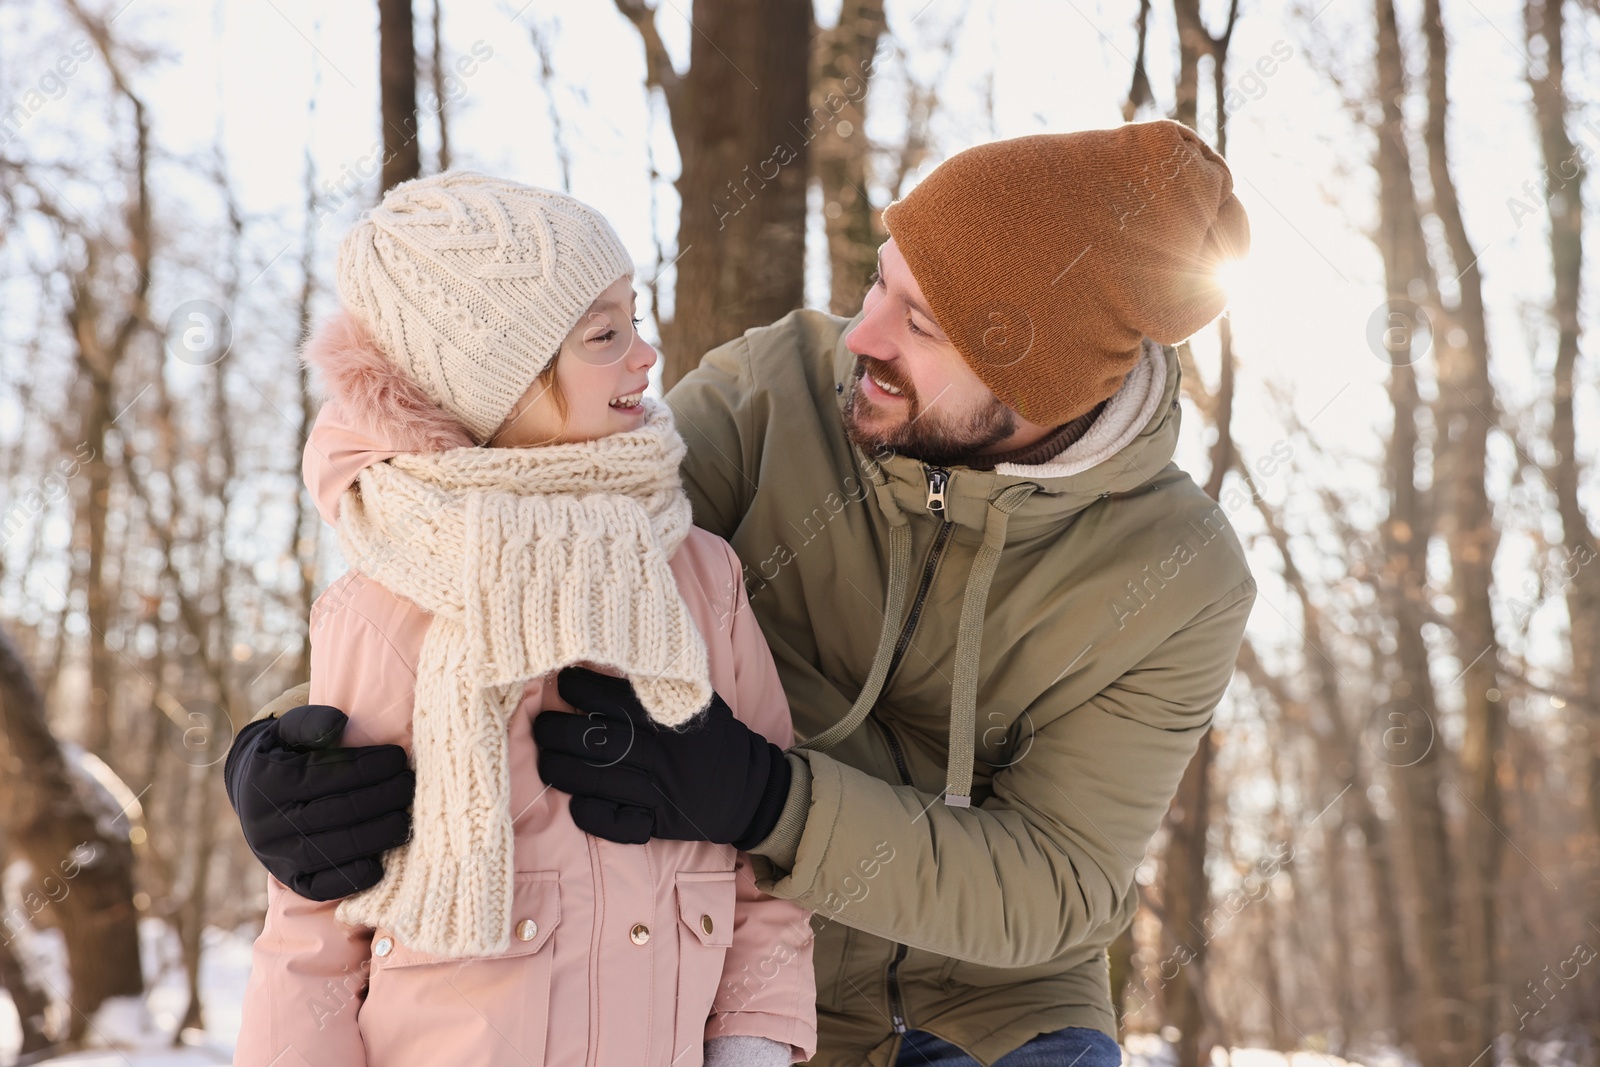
x,y
1151,1050
141,1034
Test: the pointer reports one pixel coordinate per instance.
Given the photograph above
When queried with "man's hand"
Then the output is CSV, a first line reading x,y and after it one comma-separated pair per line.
x,y
318,816
632,779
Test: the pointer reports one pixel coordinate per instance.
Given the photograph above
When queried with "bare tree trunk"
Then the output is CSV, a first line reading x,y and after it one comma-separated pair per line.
x,y
544,48
438,73
47,822
1186,896
1283,1040
843,64
1422,852
1347,774
306,533
31,1003
1185,903
1578,573
192,912
99,352
95,381
1193,43
1139,93
1564,177
745,151
1465,413
397,83
1119,958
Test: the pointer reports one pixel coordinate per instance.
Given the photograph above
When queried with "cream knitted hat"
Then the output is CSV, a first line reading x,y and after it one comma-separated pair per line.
x,y
470,284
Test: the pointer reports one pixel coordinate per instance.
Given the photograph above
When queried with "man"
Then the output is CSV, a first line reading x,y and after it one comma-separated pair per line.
x,y
1003,617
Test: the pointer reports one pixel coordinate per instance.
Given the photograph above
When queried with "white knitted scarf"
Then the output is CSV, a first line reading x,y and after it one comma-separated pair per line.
x,y
530,559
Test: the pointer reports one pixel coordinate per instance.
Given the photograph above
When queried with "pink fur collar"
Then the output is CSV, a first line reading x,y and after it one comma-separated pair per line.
x,y
377,395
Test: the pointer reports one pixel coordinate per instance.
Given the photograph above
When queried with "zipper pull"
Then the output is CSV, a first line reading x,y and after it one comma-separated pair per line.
x,y
938,478
898,1023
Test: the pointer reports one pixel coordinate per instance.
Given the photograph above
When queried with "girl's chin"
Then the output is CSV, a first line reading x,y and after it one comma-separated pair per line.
x,y
628,415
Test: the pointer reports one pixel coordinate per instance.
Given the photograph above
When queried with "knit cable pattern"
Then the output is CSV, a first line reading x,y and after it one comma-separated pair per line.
x,y
470,283
530,559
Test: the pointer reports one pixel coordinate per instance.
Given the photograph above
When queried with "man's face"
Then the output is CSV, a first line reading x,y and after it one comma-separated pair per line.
x,y
913,393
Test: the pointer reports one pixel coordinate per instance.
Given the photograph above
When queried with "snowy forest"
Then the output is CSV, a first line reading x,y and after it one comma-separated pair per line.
x,y
1387,849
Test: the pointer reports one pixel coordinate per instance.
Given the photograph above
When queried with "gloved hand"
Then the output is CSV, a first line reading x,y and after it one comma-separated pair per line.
x,y
318,816
632,779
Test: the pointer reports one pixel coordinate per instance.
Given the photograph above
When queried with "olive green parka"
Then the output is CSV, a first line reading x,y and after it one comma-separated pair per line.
x,y
998,676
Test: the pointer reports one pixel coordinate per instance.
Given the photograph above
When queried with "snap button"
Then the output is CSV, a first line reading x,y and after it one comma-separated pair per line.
x,y
639,934
383,947
705,924
527,930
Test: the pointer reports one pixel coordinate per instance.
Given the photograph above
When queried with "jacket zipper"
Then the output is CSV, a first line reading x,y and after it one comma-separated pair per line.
x,y
938,481
897,1010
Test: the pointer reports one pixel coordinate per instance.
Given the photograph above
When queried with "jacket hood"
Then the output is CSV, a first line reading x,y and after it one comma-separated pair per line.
x,y
371,412
1134,438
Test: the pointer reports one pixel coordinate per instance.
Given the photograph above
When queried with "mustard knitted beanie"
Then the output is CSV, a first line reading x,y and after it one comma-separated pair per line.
x,y
1047,259
470,283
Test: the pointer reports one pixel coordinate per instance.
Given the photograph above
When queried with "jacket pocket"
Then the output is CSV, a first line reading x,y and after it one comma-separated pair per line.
x,y
486,1010
705,931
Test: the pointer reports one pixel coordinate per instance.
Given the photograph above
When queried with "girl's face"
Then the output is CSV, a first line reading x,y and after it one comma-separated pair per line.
x,y
598,380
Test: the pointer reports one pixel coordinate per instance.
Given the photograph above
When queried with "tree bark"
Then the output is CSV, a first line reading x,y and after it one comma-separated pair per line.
x,y
1119,960
740,119
85,874
1578,572
841,153
1185,904
1410,744
31,1003
440,76
1139,92
1186,895
1347,781
99,352
306,535
1464,414
397,88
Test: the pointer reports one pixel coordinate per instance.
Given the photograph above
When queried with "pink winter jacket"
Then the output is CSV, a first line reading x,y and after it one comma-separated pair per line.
x,y
625,955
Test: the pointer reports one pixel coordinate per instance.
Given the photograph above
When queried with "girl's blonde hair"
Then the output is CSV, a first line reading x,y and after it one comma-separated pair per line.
x,y
547,378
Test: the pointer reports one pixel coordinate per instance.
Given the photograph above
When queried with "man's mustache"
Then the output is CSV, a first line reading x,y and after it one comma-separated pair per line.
x,y
887,373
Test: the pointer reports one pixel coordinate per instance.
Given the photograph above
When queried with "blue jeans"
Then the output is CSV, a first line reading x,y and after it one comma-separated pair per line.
x,y
1076,1046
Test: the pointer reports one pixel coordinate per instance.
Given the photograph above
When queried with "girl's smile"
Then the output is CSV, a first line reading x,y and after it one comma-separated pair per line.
x,y
596,384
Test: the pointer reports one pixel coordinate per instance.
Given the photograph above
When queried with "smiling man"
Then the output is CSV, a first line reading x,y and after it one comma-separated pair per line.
x,y
931,406
1002,615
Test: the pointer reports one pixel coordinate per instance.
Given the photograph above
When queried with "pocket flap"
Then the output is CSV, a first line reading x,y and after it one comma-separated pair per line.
x,y
535,913
705,904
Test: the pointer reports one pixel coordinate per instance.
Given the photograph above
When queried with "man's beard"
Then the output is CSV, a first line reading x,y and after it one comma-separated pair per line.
x,y
939,438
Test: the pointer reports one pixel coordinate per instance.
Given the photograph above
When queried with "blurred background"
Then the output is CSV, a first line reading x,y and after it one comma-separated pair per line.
x,y
1389,848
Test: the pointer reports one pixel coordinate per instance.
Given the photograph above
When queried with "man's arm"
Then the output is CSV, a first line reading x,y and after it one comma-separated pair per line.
x,y
1046,862
769,986
286,701
317,813
715,411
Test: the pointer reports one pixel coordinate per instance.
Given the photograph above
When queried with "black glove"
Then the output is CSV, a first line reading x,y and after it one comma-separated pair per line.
x,y
632,779
318,816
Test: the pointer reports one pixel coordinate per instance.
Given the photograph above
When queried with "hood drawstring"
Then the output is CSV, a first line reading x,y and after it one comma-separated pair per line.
x,y
969,636
969,641
899,579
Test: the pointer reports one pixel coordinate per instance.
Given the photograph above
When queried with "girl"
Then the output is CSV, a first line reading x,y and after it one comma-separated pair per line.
x,y
509,503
